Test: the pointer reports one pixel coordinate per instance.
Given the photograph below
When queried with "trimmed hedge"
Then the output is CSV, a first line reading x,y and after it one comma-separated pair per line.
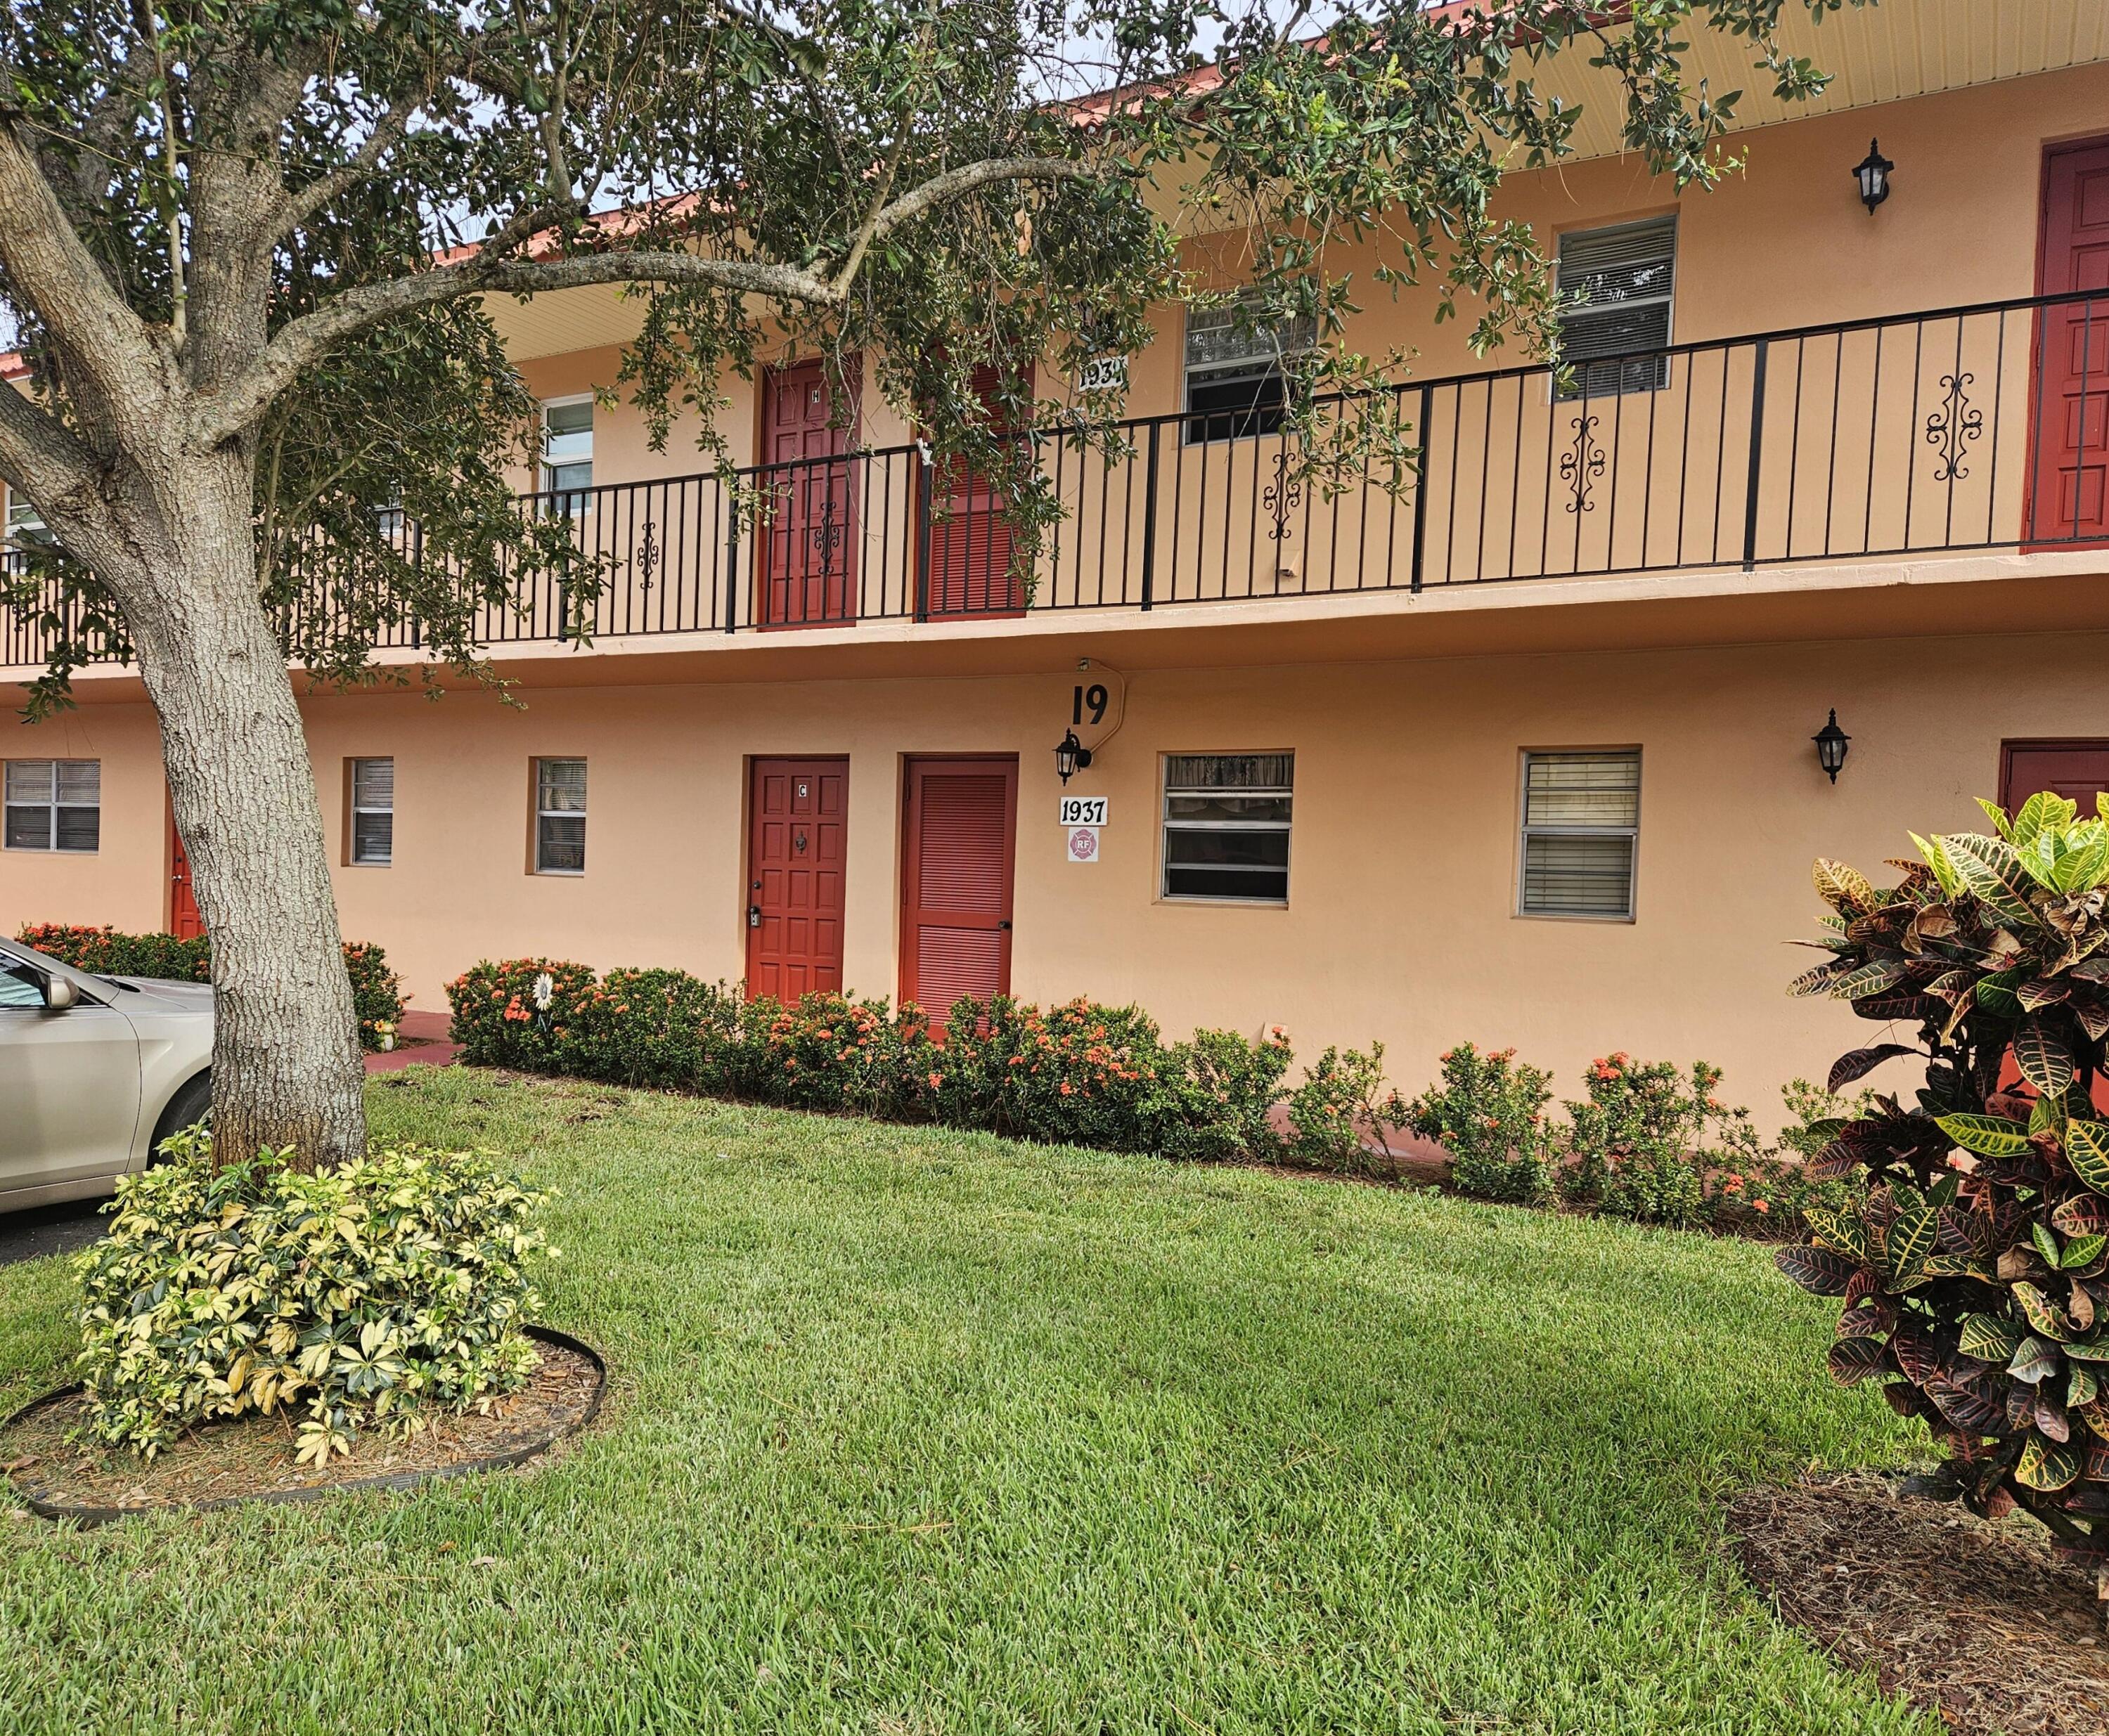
x,y
1078,1074
376,992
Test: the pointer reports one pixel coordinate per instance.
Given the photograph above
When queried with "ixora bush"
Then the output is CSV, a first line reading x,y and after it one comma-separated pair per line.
x,y
370,1296
376,992
1078,1074
1489,1113
1972,1267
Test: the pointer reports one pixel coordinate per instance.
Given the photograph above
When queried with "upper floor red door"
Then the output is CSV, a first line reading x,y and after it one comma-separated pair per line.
x,y
970,567
797,826
184,922
2070,415
809,541
2076,770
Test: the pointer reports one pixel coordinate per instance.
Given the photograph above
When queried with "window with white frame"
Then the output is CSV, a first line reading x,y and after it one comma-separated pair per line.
x,y
1581,833
1616,285
1227,826
1234,381
52,805
374,813
568,437
25,525
560,816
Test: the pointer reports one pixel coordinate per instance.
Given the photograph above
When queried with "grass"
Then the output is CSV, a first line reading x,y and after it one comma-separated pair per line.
x,y
915,1432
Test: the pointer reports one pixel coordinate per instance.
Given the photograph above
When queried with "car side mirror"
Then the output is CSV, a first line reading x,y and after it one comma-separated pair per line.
x,y
59,995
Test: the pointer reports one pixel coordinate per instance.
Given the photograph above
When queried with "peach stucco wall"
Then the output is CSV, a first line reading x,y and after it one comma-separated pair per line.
x,y
1399,923
1784,243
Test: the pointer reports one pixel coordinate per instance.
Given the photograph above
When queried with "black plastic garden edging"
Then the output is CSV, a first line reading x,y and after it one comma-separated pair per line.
x,y
401,1480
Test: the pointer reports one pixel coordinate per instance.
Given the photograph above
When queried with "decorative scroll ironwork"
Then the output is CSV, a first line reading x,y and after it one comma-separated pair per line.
x,y
1581,466
1952,426
826,536
648,556
1284,495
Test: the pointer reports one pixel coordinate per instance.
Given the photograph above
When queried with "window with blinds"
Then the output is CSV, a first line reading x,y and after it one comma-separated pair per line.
x,y
1616,287
1235,382
373,812
52,805
560,816
1227,826
568,443
1581,833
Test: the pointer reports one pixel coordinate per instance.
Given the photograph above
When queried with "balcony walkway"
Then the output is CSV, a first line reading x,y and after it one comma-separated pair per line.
x,y
1924,449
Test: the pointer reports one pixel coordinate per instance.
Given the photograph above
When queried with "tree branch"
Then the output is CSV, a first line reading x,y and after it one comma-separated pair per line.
x,y
304,341
954,181
387,132
49,265
38,456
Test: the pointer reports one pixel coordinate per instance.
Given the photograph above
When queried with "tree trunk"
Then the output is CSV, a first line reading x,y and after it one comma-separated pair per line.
x,y
286,1063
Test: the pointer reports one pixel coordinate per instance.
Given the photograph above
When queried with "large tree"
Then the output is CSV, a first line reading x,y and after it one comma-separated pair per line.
x,y
249,246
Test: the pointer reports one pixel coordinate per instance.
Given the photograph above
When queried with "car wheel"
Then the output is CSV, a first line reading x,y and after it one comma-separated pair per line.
x,y
192,1103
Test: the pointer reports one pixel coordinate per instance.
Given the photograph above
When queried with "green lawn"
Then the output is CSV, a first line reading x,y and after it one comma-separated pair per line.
x,y
915,1432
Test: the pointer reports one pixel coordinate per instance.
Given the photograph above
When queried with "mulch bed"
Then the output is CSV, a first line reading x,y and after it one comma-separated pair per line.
x,y
60,1473
1976,1620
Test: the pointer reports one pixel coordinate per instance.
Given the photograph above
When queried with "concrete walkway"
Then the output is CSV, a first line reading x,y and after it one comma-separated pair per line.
x,y
421,1041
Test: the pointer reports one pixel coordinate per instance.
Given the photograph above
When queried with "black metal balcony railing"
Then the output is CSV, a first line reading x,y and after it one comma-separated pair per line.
x,y
1973,428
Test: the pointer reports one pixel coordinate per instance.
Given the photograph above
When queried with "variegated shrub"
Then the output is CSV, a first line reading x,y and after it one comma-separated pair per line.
x,y
368,1296
1972,1267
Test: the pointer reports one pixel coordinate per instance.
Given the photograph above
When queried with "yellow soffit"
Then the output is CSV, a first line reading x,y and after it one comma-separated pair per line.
x,y
1874,54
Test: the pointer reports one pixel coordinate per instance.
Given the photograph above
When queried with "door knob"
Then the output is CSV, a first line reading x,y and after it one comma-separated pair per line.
x,y
1004,926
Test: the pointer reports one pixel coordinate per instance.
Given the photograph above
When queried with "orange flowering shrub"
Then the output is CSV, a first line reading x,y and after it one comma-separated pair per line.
x,y
1078,1074
521,1013
830,1052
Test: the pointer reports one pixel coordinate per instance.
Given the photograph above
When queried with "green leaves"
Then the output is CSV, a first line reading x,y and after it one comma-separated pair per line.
x,y
1987,1135
1820,1271
1909,1240
2042,1057
2047,1465
1991,871
1845,890
2087,1150
1989,1338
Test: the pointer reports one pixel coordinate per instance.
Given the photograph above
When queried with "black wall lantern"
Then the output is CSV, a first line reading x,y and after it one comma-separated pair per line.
x,y
1071,755
1873,173
1830,742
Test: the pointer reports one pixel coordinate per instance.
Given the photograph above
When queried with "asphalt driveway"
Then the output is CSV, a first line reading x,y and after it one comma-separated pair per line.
x,y
49,1229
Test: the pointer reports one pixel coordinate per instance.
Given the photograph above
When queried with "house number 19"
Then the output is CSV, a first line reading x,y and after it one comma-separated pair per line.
x,y
1092,699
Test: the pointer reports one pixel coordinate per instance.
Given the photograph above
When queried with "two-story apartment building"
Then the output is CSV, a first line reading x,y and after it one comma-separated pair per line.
x,y
1520,751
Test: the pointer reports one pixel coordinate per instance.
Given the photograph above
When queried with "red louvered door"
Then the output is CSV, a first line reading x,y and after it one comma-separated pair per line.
x,y
972,571
961,827
797,826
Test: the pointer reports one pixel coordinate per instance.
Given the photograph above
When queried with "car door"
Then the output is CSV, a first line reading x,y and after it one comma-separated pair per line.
x,y
69,1084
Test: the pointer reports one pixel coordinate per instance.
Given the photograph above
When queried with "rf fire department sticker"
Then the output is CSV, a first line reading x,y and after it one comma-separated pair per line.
x,y
1083,844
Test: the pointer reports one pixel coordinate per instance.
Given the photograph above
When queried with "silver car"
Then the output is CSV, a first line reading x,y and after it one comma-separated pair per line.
x,y
95,1072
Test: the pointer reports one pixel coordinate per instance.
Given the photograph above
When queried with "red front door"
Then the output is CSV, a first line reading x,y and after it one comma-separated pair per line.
x,y
2076,770
184,922
796,824
961,826
2070,414
809,541
970,569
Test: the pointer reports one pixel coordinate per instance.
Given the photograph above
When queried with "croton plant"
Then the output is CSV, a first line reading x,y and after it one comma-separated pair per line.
x,y
1971,1262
